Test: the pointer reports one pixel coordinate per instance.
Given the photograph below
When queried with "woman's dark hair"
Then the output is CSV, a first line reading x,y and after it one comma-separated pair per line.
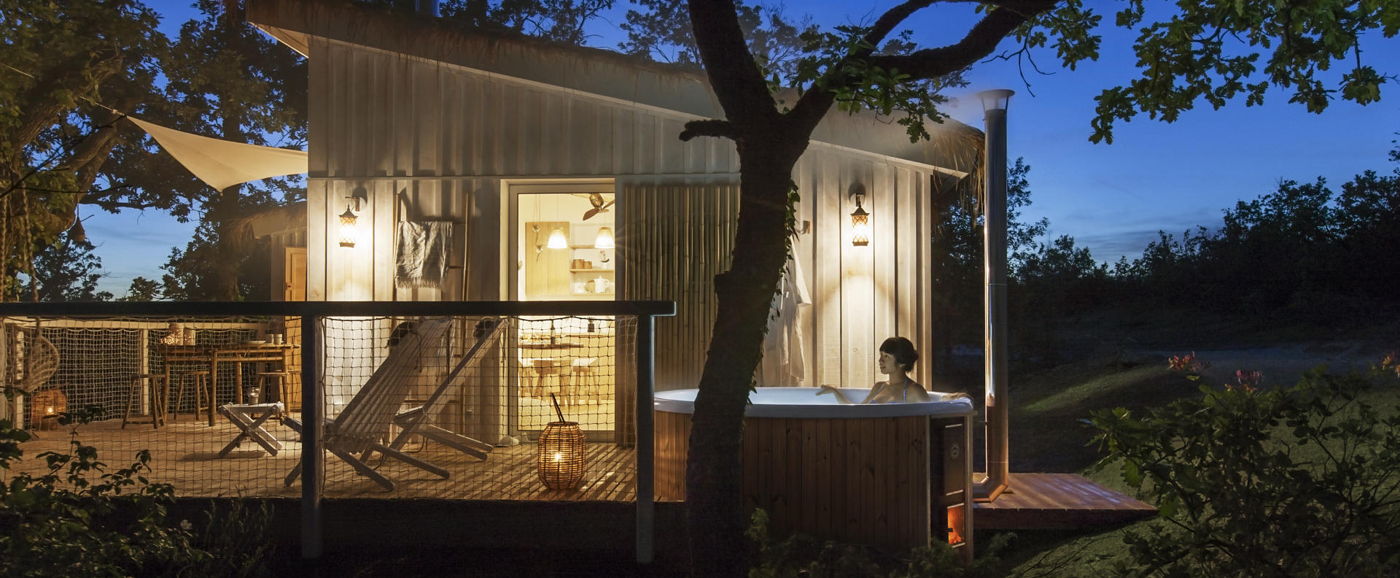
x,y
903,351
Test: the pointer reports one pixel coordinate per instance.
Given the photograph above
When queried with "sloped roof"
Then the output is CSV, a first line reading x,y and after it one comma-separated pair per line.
x,y
595,71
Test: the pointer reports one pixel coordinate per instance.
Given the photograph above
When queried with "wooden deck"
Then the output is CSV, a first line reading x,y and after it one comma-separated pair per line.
x,y
1057,501
185,455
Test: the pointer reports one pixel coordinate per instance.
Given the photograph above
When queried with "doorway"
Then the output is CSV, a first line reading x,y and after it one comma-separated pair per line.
x,y
564,250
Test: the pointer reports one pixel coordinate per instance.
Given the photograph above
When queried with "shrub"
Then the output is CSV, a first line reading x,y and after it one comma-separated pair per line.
x,y
1302,481
81,520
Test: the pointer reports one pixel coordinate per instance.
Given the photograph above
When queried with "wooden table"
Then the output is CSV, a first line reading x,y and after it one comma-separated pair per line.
x,y
236,354
544,360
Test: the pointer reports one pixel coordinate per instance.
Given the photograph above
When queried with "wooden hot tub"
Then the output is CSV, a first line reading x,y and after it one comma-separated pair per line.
x,y
893,475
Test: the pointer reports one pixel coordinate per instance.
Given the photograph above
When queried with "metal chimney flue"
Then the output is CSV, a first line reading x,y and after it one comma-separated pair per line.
x,y
994,105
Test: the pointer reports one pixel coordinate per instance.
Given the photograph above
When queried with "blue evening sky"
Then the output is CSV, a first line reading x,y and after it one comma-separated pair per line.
x,y
1111,198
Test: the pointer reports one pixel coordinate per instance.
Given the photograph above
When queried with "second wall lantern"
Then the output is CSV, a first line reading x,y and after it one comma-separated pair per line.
x,y
860,219
349,231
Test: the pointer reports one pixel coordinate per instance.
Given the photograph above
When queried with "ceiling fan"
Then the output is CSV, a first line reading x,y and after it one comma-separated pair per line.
x,y
599,206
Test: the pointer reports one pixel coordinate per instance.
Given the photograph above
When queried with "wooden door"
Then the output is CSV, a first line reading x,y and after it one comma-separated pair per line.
x,y
294,274
294,289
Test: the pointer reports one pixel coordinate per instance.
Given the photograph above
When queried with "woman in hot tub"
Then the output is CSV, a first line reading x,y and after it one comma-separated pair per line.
x,y
897,358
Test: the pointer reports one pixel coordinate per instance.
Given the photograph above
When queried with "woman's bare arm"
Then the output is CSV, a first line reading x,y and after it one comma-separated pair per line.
x,y
840,395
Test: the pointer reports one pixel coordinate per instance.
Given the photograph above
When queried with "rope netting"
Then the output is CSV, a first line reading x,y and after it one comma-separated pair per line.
x,y
443,407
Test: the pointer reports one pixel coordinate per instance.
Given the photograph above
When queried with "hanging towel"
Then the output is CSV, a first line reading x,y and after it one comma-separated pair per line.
x,y
421,259
784,348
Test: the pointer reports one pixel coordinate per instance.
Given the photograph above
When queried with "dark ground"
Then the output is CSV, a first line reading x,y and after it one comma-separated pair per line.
x,y
449,562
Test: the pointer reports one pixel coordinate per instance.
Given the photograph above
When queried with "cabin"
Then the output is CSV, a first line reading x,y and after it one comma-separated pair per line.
x,y
520,146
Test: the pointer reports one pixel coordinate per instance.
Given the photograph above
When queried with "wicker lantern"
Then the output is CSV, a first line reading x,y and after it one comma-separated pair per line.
x,y
45,406
560,453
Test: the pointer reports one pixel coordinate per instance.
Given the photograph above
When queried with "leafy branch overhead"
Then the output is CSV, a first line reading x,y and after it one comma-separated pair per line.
x,y
1187,54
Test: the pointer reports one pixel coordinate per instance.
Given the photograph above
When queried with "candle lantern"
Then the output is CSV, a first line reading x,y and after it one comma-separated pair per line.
x,y
45,407
560,453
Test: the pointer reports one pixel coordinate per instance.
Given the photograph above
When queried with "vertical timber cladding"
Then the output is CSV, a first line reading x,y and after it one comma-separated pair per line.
x,y
673,238
866,294
380,115
873,481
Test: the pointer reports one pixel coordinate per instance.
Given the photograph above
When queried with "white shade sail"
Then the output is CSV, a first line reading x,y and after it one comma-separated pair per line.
x,y
222,163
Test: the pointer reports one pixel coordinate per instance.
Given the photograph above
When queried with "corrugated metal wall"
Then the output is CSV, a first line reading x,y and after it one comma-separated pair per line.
x,y
396,115
863,295
447,137
673,238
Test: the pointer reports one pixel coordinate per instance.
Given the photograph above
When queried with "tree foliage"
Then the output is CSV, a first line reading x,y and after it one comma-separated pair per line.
x,y
1302,252
60,60
232,82
660,30
82,518
65,271
1303,481
63,148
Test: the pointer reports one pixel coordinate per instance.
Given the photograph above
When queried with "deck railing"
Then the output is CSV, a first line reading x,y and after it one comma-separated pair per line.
x,y
480,380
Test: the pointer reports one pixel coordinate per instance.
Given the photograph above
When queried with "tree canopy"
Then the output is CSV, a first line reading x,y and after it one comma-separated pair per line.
x,y
72,69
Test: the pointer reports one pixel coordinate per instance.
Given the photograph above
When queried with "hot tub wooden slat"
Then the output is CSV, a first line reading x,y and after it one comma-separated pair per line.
x,y
866,480
822,466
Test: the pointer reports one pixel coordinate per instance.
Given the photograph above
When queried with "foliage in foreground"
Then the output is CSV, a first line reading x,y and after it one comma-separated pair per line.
x,y
1303,481
81,520
802,555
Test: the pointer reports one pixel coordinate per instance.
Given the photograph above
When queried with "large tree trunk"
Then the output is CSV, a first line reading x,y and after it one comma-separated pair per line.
x,y
714,472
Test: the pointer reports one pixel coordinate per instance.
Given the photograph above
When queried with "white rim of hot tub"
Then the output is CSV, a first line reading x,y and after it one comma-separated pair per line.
x,y
803,402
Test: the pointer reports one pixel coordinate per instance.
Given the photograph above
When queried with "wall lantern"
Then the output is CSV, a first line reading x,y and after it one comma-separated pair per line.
x,y
860,220
557,240
560,452
349,232
604,240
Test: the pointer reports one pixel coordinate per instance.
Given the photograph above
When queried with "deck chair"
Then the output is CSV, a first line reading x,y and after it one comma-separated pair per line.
x,y
414,421
364,423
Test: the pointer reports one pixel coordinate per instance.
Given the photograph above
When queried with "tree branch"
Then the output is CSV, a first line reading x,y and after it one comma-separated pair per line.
x,y
734,74
813,105
980,41
715,128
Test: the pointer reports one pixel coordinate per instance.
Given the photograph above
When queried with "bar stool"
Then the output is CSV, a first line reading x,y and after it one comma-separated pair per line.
x,y
580,371
200,379
279,381
543,368
138,393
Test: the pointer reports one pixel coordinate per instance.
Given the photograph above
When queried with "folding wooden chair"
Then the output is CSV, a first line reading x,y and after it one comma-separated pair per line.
x,y
415,421
365,421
